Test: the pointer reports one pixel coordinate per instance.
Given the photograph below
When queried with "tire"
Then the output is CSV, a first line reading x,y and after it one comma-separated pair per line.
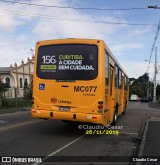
x,y
115,116
124,109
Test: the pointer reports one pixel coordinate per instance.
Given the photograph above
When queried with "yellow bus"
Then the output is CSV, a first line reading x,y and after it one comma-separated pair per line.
x,y
78,80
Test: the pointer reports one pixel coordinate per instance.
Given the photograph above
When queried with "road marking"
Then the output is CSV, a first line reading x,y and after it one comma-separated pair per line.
x,y
3,121
129,133
60,149
3,128
134,147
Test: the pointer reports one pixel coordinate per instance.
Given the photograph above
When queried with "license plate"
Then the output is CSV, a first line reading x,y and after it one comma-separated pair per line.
x,y
64,108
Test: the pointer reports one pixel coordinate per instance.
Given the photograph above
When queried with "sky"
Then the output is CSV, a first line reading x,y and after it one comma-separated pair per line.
x,y
21,26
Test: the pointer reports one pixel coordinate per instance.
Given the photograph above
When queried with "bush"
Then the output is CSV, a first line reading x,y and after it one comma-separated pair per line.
x,y
10,103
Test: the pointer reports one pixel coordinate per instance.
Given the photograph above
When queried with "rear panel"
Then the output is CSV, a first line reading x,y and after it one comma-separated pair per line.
x,y
69,76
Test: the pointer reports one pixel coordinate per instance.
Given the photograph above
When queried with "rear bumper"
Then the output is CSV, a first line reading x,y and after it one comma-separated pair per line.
x,y
60,115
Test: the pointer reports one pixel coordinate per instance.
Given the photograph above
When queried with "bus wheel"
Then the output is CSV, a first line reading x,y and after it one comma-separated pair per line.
x,y
124,108
126,104
115,116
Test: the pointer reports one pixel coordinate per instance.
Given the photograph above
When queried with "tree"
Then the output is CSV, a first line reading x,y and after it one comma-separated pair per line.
x,y
3,88
140,85
27,90
158,92
143,78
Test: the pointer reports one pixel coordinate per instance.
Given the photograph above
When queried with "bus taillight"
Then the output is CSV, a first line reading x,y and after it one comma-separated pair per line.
x,y
32,100
100,106
100,102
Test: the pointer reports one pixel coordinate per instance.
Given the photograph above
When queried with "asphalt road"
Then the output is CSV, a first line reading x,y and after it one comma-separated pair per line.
x,y
21,135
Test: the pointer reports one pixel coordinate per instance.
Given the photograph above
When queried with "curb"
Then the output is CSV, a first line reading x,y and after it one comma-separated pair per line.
x,y
142,145
141,148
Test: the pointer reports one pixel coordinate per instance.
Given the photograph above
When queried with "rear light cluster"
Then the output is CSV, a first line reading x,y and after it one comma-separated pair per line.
x,y
100,107
100,104
32,100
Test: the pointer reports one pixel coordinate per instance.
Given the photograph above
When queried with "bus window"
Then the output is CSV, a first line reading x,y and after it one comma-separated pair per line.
x,y
120,78
116,76
67,62
111,80
126,83
106,69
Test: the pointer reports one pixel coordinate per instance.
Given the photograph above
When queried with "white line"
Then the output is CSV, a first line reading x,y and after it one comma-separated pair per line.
x,y
55,152
16,125
130,133
133,147
60,149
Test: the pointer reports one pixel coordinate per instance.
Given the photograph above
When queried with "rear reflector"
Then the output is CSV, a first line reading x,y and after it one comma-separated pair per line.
x,y
91,117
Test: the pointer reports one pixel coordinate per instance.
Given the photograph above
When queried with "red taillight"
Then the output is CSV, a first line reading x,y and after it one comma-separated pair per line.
x,y
33,100
94,117
100,106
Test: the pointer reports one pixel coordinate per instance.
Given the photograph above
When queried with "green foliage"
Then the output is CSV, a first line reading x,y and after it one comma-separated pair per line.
x,y
140,85
143,78
158,92
27,90
10,103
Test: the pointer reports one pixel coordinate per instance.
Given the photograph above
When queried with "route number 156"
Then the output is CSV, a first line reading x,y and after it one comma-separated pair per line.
x,y
49,59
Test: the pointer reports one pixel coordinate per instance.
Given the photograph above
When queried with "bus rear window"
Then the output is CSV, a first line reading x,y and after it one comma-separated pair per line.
x,y
67,62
